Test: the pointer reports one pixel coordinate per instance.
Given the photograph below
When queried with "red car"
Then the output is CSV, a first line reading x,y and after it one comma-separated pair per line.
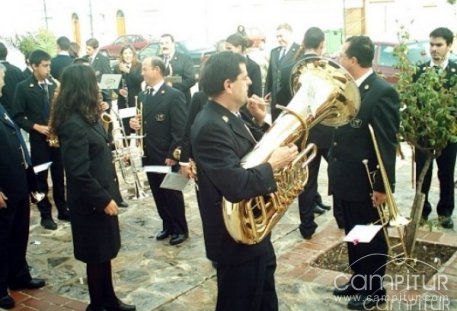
x,y
112,50
385,60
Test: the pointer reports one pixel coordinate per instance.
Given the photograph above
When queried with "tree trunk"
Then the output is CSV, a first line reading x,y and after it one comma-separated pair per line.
x,y
416,209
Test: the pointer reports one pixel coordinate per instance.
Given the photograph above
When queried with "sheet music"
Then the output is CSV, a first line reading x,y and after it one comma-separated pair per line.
x,y
127,112
163,169
41,167
362,233
110,81
174,181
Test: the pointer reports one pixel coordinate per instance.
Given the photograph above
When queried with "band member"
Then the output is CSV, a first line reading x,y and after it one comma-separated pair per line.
x,y
164,113
13,76
239,44
348,178
32,105
178,65
219,139
310,201
130,86
91,183
14,209
62,59
440,45
280,57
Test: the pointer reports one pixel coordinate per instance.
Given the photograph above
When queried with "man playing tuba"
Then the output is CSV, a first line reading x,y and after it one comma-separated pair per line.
x,y
219,139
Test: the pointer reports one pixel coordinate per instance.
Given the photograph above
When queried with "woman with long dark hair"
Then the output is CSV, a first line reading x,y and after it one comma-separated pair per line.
x,y
91,183
130,69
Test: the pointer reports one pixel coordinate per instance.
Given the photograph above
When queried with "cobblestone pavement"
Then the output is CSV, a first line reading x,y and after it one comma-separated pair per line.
x,y
156,276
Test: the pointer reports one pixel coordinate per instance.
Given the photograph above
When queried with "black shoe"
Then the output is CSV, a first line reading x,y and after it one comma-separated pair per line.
x,y
307,234
162,235
178,238
345,290
446,222
64,215
366,302
121,307
323,206
123,204
33,283
48,224
6,302
318,210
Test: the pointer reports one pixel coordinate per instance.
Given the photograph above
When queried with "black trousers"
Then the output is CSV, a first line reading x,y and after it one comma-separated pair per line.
x,y
249,286
170,205
446,167
42,153
310,195
14,235
367,260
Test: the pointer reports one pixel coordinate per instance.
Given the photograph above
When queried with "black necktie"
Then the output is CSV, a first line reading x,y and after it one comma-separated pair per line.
x,y
150,91
44,88
282,53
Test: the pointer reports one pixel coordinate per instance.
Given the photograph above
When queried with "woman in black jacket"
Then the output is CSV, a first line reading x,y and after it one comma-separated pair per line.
x,y
91,182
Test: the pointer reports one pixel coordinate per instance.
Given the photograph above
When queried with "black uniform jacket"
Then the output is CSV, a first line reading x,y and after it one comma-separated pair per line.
x,y
13,177
91,185
183,66
164,119
30,105
219,140
275,66
352,143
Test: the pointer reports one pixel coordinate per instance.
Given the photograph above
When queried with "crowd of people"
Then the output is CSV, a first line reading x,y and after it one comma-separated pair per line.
x,y
203,136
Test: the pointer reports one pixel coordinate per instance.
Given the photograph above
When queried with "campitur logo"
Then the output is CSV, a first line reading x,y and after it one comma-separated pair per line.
x,y
407,291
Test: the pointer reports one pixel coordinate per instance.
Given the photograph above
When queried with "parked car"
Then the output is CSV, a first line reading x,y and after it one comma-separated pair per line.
x,y
385,60
112,50
197,53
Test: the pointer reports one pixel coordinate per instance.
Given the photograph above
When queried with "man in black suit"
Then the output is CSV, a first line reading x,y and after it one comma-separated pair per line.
x,y
178,66
348,178
62,59
440,45
164,113
219,139
13,76
310,201
100,63
280,57
14,209
32,104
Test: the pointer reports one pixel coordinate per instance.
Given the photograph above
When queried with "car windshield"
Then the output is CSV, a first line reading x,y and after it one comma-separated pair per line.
x,y
417,53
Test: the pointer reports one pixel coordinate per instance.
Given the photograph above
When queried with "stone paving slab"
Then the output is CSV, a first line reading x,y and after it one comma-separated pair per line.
x,y
156,276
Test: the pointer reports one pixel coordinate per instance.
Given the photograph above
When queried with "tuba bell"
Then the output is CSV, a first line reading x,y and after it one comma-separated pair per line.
x,y
324,93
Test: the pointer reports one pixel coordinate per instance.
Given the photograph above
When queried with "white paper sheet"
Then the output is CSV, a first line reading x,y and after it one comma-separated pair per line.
x,y
127,112
41,167
362,233
174,181
110,81
157,169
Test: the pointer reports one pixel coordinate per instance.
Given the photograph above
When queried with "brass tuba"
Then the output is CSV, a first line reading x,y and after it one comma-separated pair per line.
x,y
324,93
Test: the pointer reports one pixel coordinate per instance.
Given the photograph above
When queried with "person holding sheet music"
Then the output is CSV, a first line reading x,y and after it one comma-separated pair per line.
x,y
15,172
130,85
32,105
162,119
